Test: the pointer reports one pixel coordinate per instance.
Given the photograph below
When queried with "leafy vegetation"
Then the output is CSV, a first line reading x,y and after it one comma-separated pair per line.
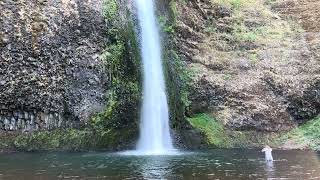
x,y
213,130
165,24
219,137
110,9
173,11
307,135
70,140
177,75
122,61
236,4
250,27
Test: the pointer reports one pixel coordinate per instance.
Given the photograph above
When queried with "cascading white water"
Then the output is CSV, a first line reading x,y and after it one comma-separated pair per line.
x,y
154,128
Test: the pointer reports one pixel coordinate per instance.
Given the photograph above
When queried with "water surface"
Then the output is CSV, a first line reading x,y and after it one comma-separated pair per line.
x,y
215,164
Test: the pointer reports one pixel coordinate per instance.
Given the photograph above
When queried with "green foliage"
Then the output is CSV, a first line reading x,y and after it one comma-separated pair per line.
x,y
110,9
6,142
122,61
245,34
71,140
174,10
165,25
213,130
177,91
210,29
253,57
219,137
227,77
180,66
177,74
307,135
235,4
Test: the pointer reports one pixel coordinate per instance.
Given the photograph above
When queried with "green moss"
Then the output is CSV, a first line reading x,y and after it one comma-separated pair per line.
x,y
307,135
227,77
218,136
165,24
70,140
110,9
173,10
253,57
117,124
236,4
6,142
213,130
178,83
252,25
210,29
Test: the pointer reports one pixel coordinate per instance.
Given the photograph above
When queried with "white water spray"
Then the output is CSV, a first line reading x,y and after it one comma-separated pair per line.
x,y
154,128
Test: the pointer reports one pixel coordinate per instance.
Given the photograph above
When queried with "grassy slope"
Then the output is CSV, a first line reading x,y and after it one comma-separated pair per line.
x,y
305,136
270,30
219,137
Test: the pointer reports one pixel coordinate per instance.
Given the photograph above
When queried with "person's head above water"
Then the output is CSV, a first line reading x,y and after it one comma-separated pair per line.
x,y
266,148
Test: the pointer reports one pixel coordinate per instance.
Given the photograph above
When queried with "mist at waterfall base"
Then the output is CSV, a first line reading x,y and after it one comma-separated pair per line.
x,y
154,126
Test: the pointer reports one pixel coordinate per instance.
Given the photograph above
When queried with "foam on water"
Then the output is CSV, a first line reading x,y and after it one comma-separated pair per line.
x,y
152,153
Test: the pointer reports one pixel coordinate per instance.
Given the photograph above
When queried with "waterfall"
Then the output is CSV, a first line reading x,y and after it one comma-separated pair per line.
x,y
154,127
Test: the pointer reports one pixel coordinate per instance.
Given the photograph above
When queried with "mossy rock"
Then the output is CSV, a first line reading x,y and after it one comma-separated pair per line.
x,y
217,136
73,140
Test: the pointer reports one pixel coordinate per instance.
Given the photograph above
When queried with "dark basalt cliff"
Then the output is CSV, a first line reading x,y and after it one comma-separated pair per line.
x,y
70,71
50,72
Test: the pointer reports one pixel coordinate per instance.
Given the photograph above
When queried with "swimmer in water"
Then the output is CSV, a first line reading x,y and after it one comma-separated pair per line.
x,y
268,153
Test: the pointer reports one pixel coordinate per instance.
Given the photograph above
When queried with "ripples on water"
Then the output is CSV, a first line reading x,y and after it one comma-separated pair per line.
x,y
216,164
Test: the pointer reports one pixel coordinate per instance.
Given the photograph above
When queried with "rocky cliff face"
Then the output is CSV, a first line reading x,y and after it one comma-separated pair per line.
x,y
246,63
50,72
254,67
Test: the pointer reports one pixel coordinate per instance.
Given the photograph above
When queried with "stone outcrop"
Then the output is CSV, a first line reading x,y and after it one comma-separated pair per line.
x,y
254,68
50,71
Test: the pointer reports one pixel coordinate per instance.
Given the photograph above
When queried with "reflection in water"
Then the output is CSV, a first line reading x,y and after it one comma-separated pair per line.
x,y
216,164
155,167
270,168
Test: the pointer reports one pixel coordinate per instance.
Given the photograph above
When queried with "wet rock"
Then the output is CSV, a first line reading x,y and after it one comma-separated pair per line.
x,y
222,11
49,51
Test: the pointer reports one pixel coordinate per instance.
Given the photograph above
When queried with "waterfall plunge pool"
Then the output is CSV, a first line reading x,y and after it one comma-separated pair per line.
x,y
212,164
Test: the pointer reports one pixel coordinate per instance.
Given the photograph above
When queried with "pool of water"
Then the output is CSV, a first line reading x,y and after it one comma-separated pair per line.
x,y
213,164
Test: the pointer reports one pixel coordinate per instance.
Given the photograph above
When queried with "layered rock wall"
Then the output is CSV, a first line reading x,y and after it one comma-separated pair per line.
x,y
255,68
50,71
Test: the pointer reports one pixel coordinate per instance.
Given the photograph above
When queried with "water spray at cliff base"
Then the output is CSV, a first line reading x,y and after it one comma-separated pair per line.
x,y
155,136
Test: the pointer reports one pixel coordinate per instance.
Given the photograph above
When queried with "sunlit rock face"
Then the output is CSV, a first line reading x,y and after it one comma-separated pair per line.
x,y
262,82
50,71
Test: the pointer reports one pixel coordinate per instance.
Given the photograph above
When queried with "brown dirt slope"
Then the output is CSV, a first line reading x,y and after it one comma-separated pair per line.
x,y
305,11
255,67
